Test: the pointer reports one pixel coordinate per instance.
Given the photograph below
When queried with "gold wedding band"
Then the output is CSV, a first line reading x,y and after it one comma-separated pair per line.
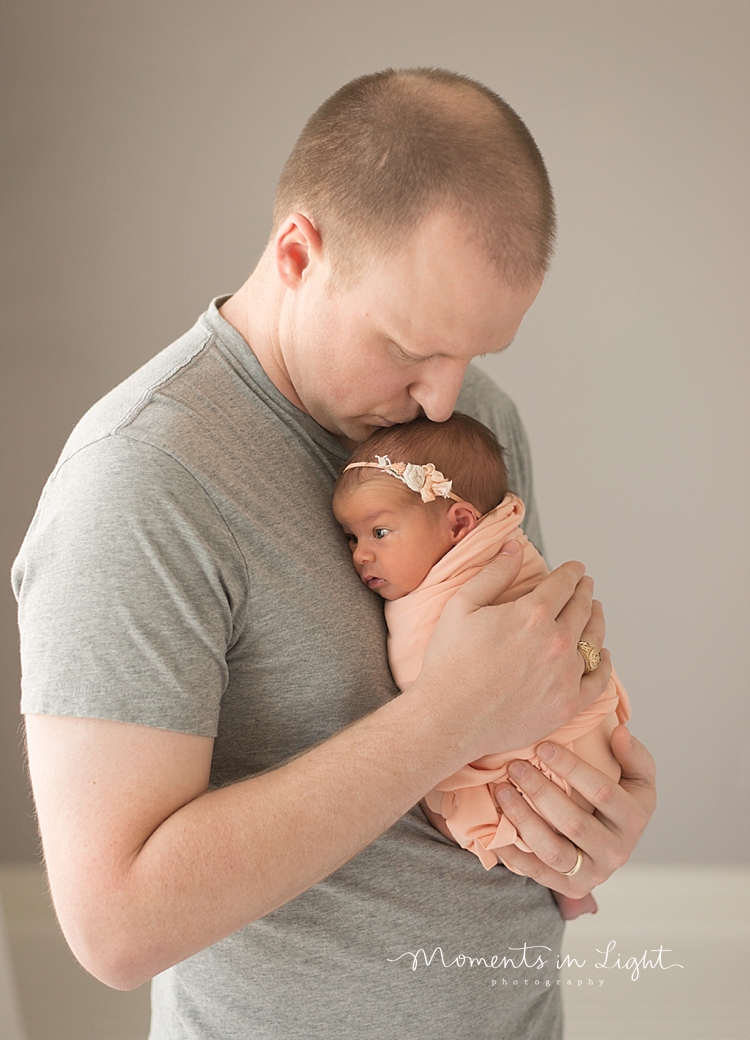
x,y
592,656
577,867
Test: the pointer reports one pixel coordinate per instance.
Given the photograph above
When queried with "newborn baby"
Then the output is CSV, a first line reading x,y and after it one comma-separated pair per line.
x,y
416,536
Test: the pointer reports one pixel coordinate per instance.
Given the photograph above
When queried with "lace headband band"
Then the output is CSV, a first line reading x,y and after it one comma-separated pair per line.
x,y
428,481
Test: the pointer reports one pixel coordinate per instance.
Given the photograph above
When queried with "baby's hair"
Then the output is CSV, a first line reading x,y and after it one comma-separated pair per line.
x,y
462,448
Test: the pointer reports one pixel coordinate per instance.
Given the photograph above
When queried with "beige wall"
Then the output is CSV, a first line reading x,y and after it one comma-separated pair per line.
x,y
141,145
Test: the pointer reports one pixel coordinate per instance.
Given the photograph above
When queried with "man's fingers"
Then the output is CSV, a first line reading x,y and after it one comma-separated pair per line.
x,y
561,586
574,616
594,684
583,619
492,581
552,849
595,632
596,787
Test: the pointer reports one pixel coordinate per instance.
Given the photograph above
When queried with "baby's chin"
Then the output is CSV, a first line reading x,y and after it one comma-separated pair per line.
x,y
384,589
389,593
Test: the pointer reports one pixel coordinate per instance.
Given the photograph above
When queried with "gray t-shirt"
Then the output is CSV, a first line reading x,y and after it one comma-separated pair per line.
x,y
184,571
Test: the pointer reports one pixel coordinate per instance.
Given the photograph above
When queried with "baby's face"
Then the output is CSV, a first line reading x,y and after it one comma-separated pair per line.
x,y
394,541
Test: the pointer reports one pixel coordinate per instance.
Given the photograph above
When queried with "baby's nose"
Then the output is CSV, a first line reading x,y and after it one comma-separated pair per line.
x,y
362,553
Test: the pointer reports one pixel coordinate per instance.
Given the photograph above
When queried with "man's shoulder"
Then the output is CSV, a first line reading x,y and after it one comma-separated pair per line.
x,y
121,406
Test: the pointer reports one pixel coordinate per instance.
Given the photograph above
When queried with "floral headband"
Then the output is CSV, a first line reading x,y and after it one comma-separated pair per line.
x,y
428,481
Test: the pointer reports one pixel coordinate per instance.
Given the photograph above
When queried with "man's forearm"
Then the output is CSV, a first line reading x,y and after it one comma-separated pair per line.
x,y
232,855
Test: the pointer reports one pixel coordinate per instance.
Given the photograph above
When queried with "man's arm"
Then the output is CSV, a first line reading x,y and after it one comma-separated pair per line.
x,y
147,867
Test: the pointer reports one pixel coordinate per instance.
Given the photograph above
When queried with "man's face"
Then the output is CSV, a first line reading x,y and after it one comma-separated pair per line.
x,y
396,344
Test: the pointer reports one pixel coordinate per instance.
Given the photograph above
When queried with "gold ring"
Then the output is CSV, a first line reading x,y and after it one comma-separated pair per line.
x,y
592,656
577,867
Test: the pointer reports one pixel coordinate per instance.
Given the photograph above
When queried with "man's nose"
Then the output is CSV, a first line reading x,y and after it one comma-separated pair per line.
x,y
436,392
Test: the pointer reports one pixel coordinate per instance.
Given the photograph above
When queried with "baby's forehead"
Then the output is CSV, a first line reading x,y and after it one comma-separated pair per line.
x,y
375,496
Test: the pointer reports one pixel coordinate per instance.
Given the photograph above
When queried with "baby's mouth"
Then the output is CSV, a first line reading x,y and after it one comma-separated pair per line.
x,y
374,582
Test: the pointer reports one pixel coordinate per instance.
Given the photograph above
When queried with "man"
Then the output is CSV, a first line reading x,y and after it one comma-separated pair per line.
x,y
226,785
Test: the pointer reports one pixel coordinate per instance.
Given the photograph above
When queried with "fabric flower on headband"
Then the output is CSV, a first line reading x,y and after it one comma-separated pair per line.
x,y
428,481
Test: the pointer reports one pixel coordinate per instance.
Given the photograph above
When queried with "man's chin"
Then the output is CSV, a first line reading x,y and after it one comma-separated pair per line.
x,y
355,434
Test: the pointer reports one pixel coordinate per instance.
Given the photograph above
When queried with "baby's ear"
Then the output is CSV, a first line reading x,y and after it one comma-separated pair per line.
x,y
462,519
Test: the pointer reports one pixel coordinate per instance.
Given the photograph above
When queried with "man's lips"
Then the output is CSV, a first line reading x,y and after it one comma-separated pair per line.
x,y
385,423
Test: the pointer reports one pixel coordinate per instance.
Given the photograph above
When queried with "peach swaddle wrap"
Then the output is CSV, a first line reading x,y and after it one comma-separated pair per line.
x,y
465,799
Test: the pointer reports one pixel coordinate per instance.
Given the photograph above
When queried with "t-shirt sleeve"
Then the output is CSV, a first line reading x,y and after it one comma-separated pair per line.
x,y
131,589
483,399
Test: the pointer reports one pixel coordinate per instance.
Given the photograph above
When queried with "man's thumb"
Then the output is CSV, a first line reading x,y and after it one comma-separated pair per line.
x,y
492,581
635,759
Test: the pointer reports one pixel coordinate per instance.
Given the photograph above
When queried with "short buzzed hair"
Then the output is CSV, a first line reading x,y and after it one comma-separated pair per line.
x,y
390,147
463,449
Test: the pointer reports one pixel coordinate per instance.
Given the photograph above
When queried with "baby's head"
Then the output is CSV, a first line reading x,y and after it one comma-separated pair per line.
x,y
397,534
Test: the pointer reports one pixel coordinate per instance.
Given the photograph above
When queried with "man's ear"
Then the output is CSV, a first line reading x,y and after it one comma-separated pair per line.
x,y
297,245
462,519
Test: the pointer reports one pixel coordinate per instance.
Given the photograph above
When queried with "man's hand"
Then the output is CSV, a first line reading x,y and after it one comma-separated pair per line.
x,y
507,675
606,838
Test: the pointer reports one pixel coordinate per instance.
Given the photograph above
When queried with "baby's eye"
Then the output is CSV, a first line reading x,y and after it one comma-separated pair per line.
x,y
380,532
352,540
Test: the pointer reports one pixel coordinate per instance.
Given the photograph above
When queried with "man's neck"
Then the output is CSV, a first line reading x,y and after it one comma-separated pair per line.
x,y
253,311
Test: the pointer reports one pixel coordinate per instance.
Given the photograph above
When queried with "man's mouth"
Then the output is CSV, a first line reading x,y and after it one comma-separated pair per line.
x,y
385,423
